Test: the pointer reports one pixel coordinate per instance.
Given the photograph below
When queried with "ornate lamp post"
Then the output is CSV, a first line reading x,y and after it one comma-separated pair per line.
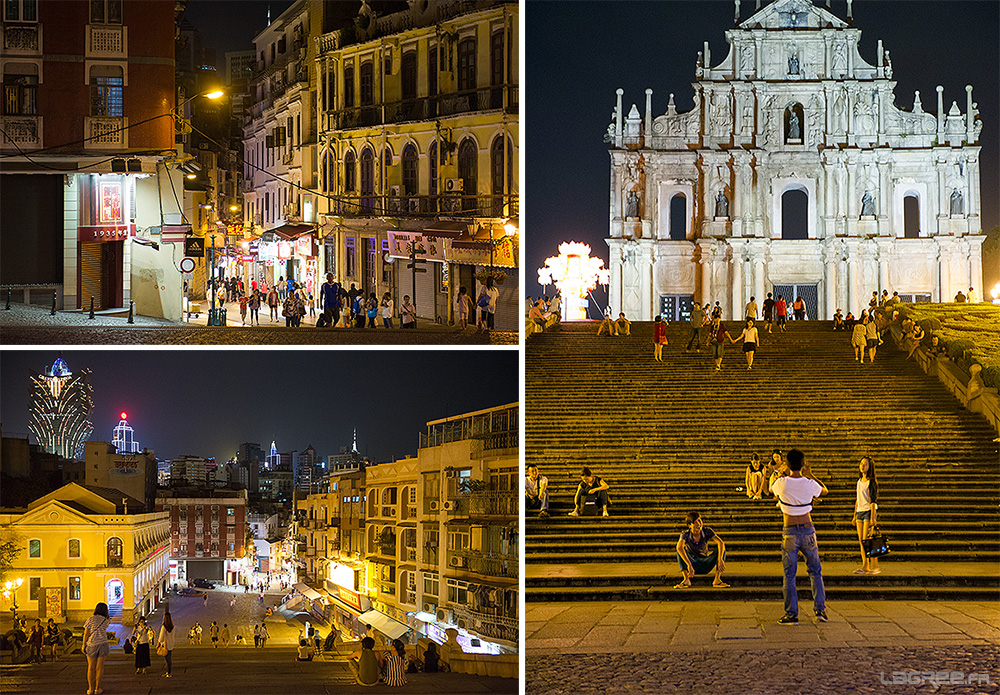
x,y
10,588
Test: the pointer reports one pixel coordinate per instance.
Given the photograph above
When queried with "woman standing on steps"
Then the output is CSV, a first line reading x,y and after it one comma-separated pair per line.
x,y
659,338
749,336
865,511
858,339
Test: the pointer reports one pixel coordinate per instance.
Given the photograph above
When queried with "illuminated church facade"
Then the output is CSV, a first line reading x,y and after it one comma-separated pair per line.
x,y
795,174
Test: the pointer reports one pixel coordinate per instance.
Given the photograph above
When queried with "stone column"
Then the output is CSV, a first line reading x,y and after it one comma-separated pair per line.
x,y
758,251
944,269
737,302
976,268
649,118
854,295
941,162
852,198
972,167
618,117
883,267
969,130
940,115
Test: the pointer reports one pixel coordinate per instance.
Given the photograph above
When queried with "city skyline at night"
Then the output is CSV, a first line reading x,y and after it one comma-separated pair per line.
x,y
297,398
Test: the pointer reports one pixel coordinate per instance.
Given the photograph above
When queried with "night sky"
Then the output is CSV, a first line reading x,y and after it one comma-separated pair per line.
x,y
579,53
208,402
231,25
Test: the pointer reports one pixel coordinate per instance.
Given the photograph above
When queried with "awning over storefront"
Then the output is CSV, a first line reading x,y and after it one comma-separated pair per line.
x,y
446,229
384,624
286,232
306,591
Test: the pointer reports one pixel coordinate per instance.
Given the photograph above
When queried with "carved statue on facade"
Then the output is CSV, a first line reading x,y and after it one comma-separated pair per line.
x,y
793,65
794,131
867,204
957,202
838,113
632,205
748,115
746,61
839,57
721,205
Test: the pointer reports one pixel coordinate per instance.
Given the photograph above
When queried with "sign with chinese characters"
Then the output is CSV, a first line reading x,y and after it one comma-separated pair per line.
x,y
110,202
125,466
305,246
401,244
478,252
109,232
285,249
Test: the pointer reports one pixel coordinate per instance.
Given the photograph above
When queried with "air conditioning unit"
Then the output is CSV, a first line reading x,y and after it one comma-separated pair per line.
x,y
454,185
434,505
414,205
430,608
462,624
449,506
456,561
442,615
394,191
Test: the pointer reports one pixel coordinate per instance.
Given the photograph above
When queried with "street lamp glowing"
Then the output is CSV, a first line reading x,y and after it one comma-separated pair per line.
x,y
575,273
214,95
511,229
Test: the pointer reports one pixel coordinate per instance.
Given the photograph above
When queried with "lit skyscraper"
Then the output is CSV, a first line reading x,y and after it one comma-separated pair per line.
x,y
60,409
124,438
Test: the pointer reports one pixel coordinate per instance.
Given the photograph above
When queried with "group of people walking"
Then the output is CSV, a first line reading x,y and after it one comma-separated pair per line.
x,y
97,648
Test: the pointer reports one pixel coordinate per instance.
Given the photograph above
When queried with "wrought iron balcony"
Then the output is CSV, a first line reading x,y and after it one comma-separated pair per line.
x,y
427,108
489,623
106,132
452,204
22,38
23,131
485,564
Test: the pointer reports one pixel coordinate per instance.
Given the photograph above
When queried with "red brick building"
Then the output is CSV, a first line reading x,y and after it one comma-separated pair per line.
x,y
88,88
208,530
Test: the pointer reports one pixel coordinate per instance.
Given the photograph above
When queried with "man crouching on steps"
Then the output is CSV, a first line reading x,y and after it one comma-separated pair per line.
x,y
693,555
796,488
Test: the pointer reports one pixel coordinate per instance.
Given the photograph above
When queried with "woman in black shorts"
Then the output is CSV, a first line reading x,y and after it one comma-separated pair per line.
x,y
750,338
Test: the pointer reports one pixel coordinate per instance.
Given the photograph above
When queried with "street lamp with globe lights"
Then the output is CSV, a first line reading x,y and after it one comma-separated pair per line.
x,y
10,588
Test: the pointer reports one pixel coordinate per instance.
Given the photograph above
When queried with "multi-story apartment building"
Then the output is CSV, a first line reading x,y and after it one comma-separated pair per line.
x,y
82,545
88,88
133,474
207,533
426,542
418,139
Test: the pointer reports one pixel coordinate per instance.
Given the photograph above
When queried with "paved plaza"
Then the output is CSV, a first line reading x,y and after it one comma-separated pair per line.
x,y
233,670
737,648
23,325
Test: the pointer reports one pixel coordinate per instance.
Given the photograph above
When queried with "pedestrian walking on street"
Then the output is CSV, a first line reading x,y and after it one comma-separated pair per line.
x,y
659,338
142,635
263,635
407,313
781,313
696,319
272,304
719,337
768,308
165,643
386,310
795,487
224,635
254,305
371,309
35,641
95,647
463,305
256,635
205,602
213,631
197,632
750,339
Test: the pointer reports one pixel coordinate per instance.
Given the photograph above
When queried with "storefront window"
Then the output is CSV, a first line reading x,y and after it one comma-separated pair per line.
x,y
349,258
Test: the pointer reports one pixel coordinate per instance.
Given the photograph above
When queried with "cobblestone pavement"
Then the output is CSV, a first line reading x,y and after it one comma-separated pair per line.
x,y
33,326
891,670
737,648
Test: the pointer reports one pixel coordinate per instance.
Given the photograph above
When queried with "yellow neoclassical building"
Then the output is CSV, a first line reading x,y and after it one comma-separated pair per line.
x,y
81,545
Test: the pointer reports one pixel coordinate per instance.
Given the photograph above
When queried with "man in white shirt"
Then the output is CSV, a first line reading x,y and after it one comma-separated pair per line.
x,y
796,488
536,491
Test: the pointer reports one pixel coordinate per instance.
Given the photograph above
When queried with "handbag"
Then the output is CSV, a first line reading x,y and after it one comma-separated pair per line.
x,y
161,649
877,544
484,300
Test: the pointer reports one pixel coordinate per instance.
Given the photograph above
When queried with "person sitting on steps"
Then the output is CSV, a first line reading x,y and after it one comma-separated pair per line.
x,y
623,325
591,495
756,478
536,491
693,555
607,325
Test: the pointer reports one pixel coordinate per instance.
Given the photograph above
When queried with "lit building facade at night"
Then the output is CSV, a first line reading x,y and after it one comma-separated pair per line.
x,y
795,174
83,545
123,438
61,406
207,533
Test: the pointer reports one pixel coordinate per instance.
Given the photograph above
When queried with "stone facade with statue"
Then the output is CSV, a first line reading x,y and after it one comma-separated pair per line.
x,y
794,173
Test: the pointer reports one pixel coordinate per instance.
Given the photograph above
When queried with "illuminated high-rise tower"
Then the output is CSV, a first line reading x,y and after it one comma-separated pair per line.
x,y
59,413
124,438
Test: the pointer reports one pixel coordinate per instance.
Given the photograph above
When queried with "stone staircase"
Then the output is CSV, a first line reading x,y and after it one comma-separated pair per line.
x,y
677,436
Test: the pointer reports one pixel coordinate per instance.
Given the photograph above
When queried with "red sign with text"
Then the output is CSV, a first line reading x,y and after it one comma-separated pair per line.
x,y
106,232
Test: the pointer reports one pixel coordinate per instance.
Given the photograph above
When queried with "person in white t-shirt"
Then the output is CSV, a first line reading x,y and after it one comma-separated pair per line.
x,y
796,488
750,338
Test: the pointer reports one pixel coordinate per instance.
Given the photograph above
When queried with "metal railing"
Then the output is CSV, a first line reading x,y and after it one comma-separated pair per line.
x,y
32,294
428,108
489,623
485,564
456,205
494,503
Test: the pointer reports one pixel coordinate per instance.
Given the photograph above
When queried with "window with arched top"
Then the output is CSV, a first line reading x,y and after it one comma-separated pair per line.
x,y
408,74
410,161
911,216
795,214
115,552
367,180
468,166
349,173
678,217
499,182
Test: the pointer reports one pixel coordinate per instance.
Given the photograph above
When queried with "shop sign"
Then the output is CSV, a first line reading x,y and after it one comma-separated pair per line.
x,y
194,247
105,233
110,202
234,229
285,249
478,252
351,598
305,246
402,244
246,258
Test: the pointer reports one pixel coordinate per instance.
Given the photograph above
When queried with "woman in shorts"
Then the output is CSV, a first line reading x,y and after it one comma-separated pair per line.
x,y
95,646
858,340
871,339
865,507
750,338
719,343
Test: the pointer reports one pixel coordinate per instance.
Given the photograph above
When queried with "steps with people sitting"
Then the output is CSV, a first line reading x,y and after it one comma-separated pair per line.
x,y
677,436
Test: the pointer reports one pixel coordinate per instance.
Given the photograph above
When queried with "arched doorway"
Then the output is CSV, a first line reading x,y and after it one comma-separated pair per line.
x,y
795,214
114,592
678,218
911,216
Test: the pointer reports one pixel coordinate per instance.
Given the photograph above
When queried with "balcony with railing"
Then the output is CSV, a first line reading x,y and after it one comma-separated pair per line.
x,y
107,40
430,555
23,131
489,623
451,204
22,39
105,132
485,564
494,503
427,108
